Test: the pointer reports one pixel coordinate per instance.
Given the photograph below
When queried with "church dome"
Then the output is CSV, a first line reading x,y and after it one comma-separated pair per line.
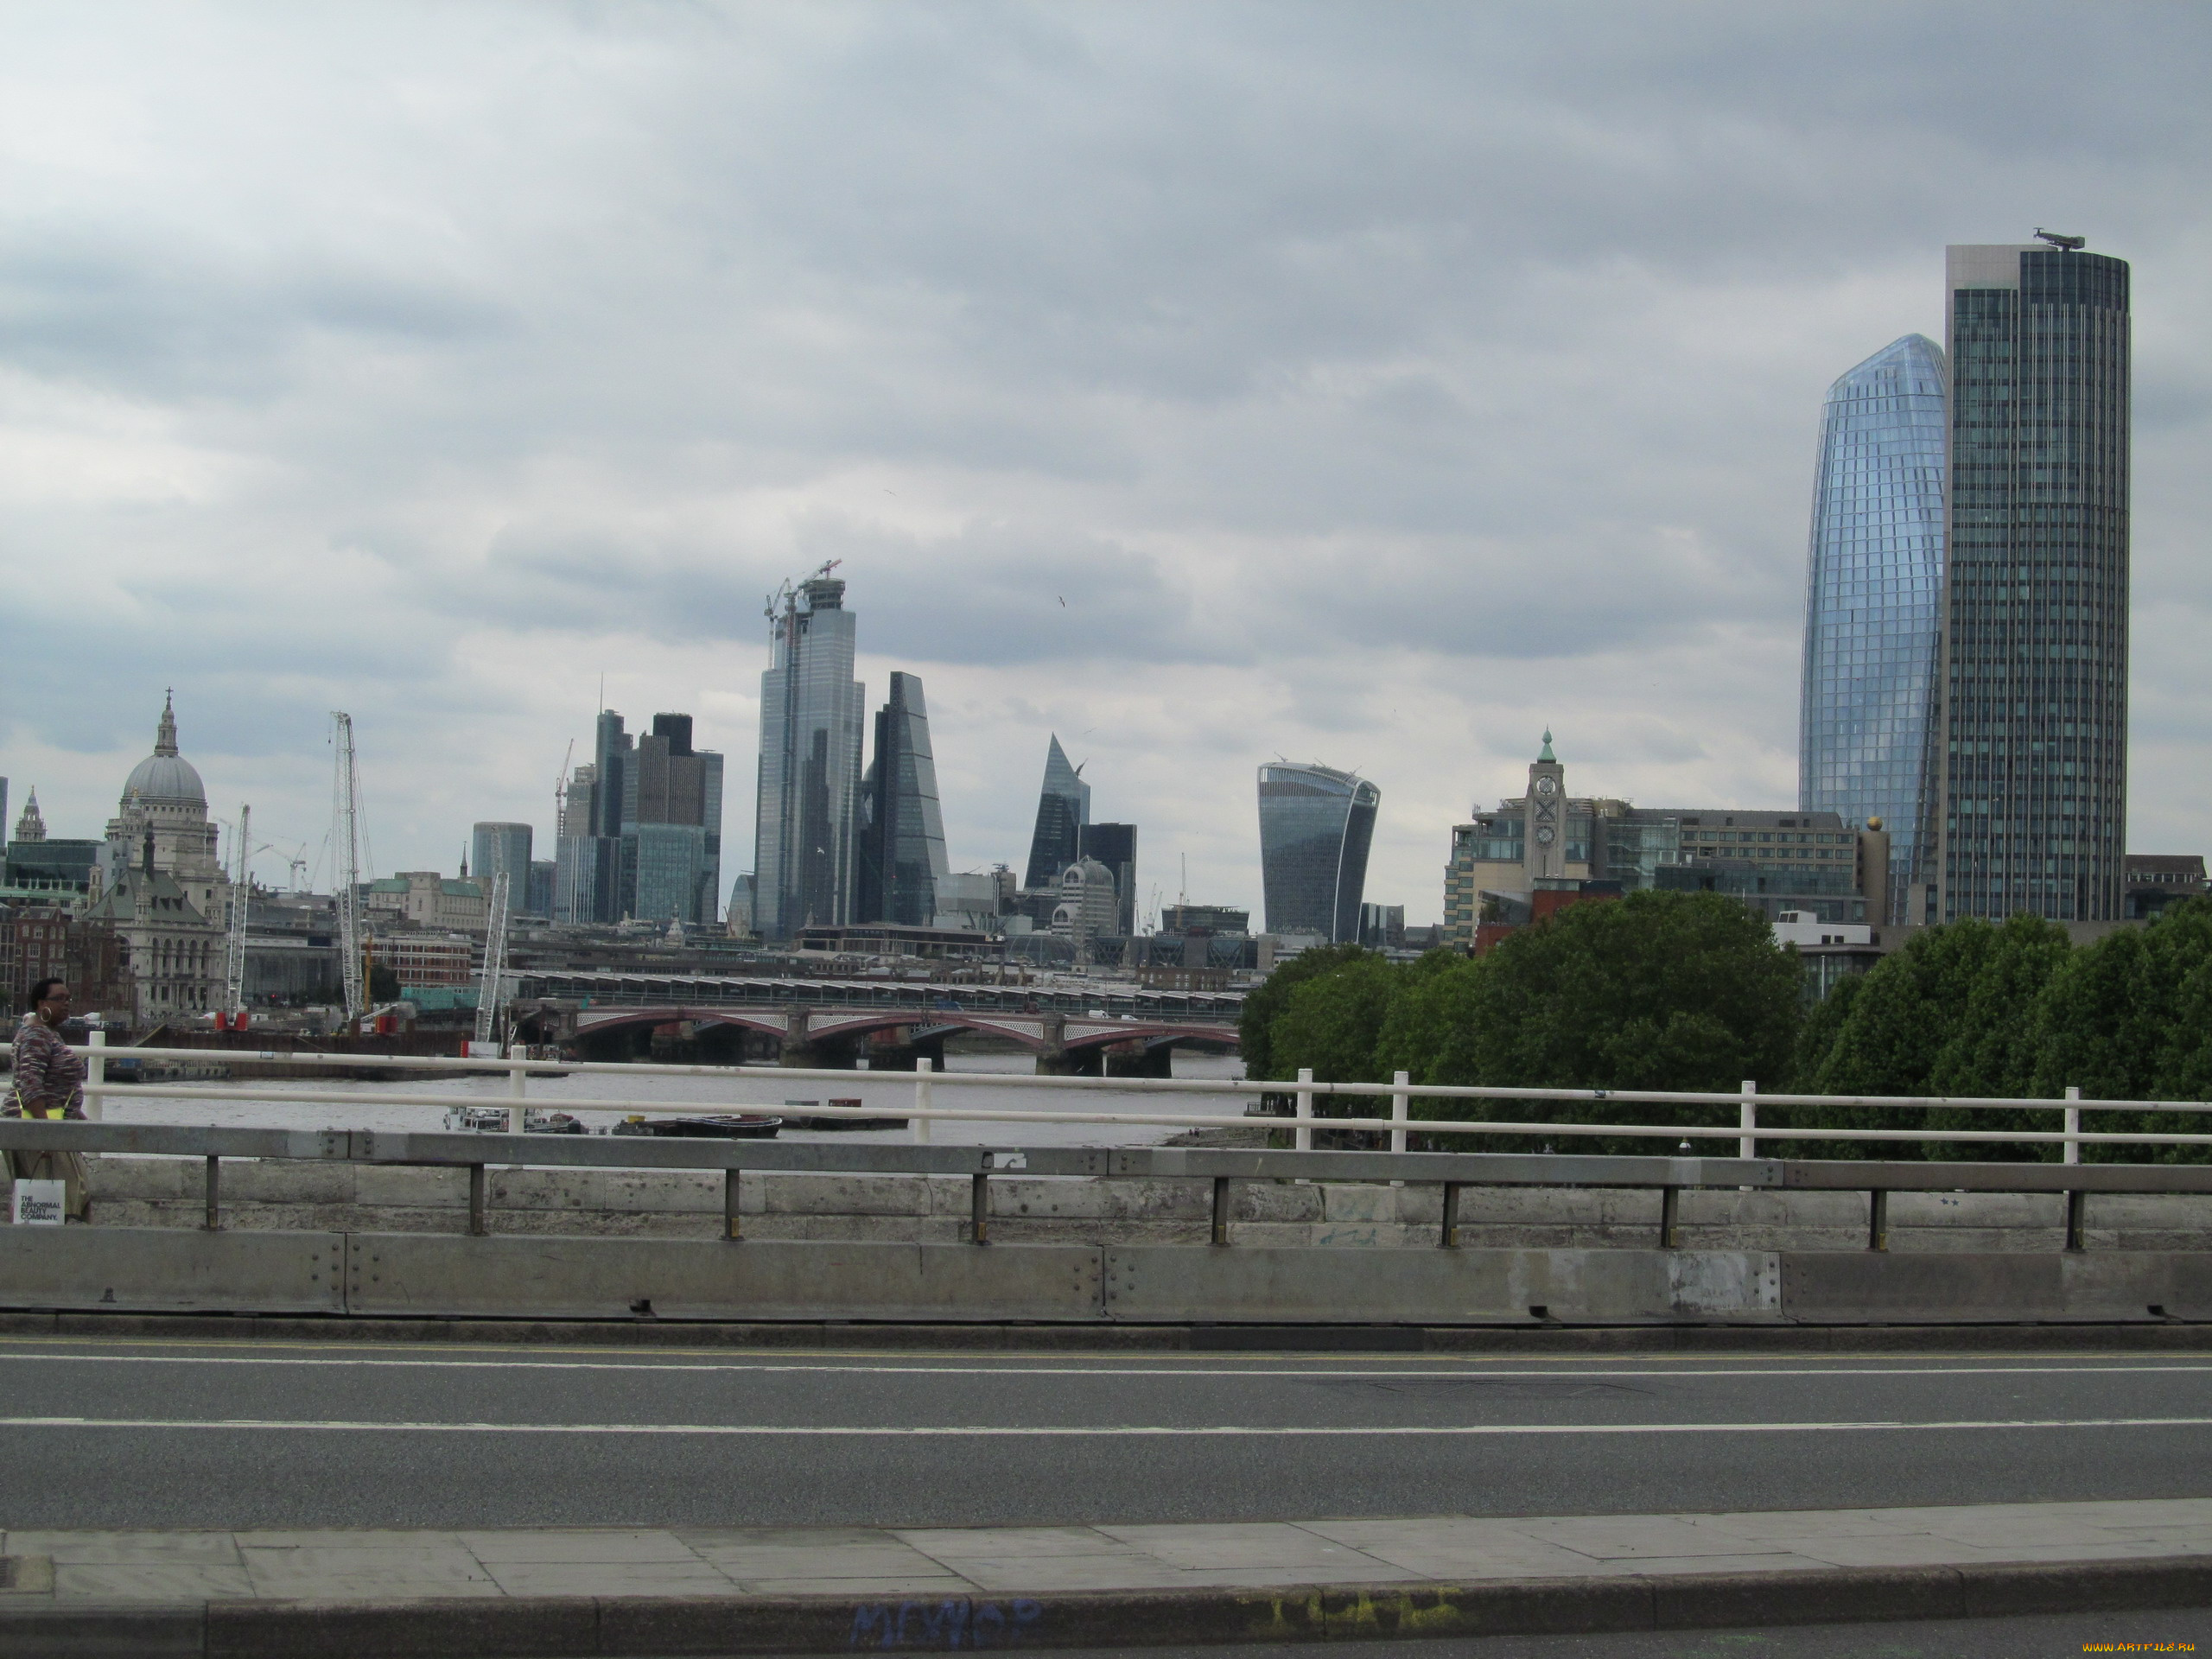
x,y
165,775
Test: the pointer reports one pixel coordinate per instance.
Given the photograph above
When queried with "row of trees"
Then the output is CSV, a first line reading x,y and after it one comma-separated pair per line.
x,y
1689,991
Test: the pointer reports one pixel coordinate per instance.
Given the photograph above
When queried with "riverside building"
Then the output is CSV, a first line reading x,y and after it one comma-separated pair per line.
x,y
1874,589
2031,813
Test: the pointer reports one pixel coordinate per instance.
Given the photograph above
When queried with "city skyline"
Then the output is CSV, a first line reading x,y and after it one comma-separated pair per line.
x,y
1397,462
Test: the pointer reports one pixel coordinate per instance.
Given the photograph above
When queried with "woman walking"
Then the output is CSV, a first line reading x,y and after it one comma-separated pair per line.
x,y
49,1083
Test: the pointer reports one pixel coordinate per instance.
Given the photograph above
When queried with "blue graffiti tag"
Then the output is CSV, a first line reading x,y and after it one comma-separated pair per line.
x,y
939,1626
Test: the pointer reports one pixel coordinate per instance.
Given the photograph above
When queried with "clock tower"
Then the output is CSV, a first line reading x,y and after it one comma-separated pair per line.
x,y
1545,842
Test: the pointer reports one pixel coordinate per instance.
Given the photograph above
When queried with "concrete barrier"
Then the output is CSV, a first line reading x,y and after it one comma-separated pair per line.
x,y
149,1271
1886,1285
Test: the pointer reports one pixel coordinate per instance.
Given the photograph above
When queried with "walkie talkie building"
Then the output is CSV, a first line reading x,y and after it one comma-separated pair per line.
x,y
1873,604
1316,824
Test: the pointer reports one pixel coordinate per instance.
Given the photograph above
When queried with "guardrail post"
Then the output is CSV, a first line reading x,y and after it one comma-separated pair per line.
x,y
1747,1120
95,1075
1221,1209
2072,1125
1303,1138
924,1094
2077,1206
1401,1108
1670,1218
731,1227
979,1208
214,1223
1878,1219
517,1087
1449,1238
476,1229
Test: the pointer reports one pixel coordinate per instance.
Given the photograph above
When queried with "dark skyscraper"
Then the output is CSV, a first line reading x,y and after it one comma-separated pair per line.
x,y
1315,827
1063,808
1115,845
1873,596
902,829
678,828
2034,674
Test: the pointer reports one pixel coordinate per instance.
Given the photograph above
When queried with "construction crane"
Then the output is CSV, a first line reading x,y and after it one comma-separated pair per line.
x,y
495,955
346,845
241,900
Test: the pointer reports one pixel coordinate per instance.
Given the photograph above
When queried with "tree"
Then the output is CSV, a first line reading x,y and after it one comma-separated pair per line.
x,y
1657,990
1333,1021
1267,1001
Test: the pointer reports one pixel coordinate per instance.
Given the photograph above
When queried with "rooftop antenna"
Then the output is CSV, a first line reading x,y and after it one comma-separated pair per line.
x,y
2064,244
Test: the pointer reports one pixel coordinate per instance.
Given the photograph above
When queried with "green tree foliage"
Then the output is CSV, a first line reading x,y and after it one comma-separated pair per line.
x,y
1333,1021
1270,999
1658,990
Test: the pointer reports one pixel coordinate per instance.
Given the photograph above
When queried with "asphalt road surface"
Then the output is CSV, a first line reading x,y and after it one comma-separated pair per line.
x,y
268,1435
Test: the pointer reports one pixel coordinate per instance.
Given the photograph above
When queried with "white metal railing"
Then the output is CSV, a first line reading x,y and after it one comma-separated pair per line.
x,y
925,1084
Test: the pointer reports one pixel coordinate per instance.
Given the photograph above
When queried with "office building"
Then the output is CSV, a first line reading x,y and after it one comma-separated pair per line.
x,y
1873,596
1115,845
1382,927
1548,841
1063,808
496,847
538,900
575,874
1316,825
902,829
811,713
1087,907
2033,803
675,827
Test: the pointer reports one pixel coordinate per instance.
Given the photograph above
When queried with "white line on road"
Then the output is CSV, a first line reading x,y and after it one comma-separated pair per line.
x,y
1467,1372
998,1432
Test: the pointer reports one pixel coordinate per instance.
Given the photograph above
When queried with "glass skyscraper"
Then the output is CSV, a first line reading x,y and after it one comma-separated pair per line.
x,y
2032,807
811,713
1316,824
902,826
1874,590
1063,808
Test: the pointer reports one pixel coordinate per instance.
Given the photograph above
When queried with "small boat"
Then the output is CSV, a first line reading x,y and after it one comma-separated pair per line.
x,y
808,1116
492,1120
748,1126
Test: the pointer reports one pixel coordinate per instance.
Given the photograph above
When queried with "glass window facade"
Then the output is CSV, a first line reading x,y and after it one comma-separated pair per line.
x,y
1063,808
1873,601
1316,825
2034,724
811,713
902,829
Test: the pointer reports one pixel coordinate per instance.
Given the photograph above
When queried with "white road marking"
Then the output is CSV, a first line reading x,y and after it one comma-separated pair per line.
x,y
743,1366
998,1432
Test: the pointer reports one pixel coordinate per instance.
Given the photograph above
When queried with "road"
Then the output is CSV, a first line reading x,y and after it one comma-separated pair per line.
x,y
262,1434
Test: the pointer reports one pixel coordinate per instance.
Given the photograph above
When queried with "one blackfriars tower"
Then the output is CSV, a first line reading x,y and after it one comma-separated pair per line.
x,y
2031,815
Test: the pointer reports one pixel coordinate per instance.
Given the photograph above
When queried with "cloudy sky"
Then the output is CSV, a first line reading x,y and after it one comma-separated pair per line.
x,y
1378,384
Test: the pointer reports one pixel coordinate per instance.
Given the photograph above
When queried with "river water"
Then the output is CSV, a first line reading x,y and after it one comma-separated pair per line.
x,y
384,1105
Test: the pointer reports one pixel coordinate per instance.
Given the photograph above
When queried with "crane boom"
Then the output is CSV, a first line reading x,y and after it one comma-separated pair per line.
x,y
345,844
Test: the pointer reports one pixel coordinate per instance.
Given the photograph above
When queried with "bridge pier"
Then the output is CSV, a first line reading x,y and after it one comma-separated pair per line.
x,y
1147,1060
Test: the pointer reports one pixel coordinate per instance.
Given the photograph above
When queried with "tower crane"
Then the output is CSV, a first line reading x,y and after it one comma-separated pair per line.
x,y
495,955
345,844
241,900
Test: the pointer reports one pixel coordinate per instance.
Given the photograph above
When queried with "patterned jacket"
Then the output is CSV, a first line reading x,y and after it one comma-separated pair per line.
x,y
45,1072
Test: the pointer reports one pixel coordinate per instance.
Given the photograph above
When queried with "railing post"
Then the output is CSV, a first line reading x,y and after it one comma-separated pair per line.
x,y
1221,1209
979,1208
476,1228
517,1087
731,1226
1878,1219
1401,1108
95,1075
2072,1125
924,1094
1449,1238
1304,1139
1747,1120
214,1223
1670,1218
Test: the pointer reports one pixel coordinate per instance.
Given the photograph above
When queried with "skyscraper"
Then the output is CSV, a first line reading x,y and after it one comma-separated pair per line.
x,y
812,715
1115,845
902,829
495,847
1063,808
2032,806
1873,594
1315,826
679,826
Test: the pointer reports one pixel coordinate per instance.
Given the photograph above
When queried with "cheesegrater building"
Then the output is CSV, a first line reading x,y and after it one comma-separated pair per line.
x,y
1874,590
2031,810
